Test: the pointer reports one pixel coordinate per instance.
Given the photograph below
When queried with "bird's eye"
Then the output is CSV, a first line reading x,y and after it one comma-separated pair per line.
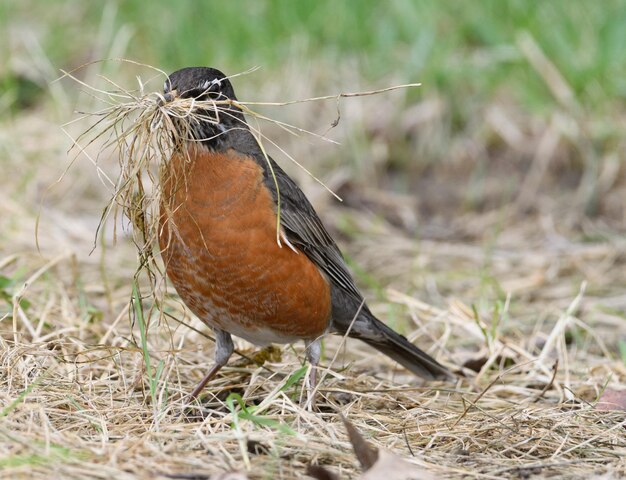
x,y
211,85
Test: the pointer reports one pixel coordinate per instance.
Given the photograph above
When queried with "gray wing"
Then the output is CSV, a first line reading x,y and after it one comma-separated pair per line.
x,y
305,230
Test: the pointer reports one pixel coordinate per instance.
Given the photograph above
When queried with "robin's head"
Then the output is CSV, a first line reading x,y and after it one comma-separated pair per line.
x,y
205,84
201,83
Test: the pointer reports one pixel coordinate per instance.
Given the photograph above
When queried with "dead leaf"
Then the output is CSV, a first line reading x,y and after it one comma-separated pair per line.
x,y
379,463
320,473
612,400
392,467
366,454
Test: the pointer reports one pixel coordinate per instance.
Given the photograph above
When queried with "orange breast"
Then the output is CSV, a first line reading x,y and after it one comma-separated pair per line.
x,y
218,241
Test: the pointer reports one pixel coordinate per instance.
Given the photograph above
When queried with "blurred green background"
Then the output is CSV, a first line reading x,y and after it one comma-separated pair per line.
x,y
461,48
498,74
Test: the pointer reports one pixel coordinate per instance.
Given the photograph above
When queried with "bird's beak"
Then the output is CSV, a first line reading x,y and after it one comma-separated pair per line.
x,y
169,96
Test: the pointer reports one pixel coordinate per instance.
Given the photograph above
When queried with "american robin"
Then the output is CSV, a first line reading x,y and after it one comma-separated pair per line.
x,y
234,265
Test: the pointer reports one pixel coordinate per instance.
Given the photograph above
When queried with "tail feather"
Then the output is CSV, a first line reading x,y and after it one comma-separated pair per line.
x,y
372,331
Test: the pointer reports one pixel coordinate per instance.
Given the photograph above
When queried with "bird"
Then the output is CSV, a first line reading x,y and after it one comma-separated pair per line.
x,y
245,249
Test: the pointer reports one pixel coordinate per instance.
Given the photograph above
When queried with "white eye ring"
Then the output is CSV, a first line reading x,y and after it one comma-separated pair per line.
x,y
208,84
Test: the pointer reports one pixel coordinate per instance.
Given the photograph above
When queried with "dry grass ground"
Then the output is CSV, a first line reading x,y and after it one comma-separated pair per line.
x,y
504,273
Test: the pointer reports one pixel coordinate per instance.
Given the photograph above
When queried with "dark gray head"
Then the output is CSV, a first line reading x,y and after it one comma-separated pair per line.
x,y
205,84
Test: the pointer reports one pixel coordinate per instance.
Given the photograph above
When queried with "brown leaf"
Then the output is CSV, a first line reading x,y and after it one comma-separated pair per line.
x,y
366,454
392,467
612,399
379,463
320,473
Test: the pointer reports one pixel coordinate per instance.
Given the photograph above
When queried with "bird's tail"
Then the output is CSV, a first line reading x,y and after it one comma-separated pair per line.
x,y
375,333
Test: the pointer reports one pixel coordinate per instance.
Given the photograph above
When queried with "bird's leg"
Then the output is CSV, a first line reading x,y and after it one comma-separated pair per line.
x,y
223,350
313,353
